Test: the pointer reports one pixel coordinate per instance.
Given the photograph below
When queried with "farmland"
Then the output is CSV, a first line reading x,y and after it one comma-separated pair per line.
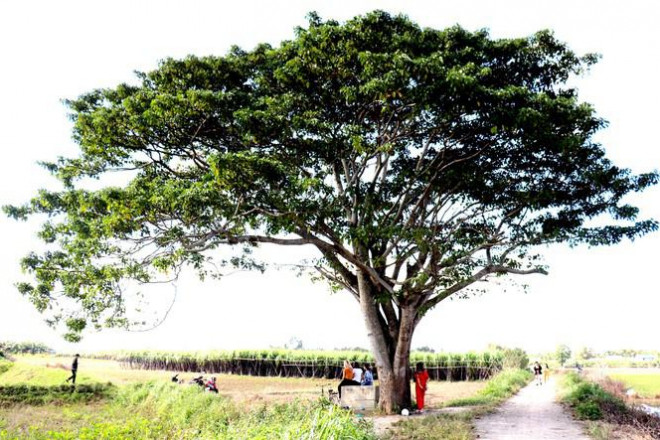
x,y
644,381
115,402
147,405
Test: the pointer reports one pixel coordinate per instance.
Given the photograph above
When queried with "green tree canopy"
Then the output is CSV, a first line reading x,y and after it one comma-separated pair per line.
x,y
416,161
562,354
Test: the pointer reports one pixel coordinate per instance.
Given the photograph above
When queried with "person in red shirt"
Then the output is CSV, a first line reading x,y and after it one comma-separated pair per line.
x,y
421,378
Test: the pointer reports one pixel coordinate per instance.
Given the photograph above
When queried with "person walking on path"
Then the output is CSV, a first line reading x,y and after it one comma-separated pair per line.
x,y
538,370
546,374
74,369
421,378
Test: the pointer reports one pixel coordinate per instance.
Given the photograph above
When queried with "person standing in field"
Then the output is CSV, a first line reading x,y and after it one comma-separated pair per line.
x,y
74,369
546,374
421,379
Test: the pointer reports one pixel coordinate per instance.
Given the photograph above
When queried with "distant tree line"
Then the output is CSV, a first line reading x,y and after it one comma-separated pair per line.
x,y
8,347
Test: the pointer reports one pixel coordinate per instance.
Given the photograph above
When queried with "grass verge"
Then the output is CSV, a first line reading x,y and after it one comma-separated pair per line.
x,y
499,388
57,394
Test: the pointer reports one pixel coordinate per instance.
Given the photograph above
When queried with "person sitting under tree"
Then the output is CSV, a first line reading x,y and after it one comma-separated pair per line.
x,y
357,373
368,377
347,377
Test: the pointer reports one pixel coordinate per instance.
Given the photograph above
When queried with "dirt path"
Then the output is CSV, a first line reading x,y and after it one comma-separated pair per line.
x,y
532,414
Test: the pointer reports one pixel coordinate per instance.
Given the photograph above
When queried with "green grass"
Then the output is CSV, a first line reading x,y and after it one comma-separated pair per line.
x,y
56,394
23,373
5,366
646,385
498,389
157,410
437,426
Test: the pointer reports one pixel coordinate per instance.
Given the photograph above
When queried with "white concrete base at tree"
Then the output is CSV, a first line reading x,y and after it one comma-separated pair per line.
x,y
361,398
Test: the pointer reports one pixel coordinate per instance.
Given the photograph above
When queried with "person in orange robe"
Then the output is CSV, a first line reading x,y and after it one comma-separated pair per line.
x,y
421,378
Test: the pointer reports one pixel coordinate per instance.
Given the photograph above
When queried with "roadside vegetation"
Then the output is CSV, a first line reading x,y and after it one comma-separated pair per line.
x,y
501,387
602,405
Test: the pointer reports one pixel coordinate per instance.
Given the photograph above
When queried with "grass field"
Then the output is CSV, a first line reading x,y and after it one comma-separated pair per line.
x,y
49,370
645,381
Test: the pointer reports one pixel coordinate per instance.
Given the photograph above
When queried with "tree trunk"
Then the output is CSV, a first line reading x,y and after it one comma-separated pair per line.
x,y
393,358
402,357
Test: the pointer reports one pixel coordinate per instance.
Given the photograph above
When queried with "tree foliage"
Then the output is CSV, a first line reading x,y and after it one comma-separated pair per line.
x,y
562,354
416,161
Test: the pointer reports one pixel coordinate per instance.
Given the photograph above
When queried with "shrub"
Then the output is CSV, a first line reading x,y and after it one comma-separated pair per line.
x,y
589,400
588,410
4,365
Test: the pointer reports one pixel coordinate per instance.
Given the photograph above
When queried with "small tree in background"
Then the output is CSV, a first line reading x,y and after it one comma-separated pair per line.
x,y
294,343
584,353
416,162
511,357
562,354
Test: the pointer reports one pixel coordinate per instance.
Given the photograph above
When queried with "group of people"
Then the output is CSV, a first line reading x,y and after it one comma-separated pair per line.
x,y
210,385
353,375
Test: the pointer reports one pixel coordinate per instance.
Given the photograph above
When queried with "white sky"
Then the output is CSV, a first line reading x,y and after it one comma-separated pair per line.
x,y
601,298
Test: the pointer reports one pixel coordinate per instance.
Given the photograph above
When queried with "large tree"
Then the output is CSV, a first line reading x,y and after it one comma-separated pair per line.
x,y
417,162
